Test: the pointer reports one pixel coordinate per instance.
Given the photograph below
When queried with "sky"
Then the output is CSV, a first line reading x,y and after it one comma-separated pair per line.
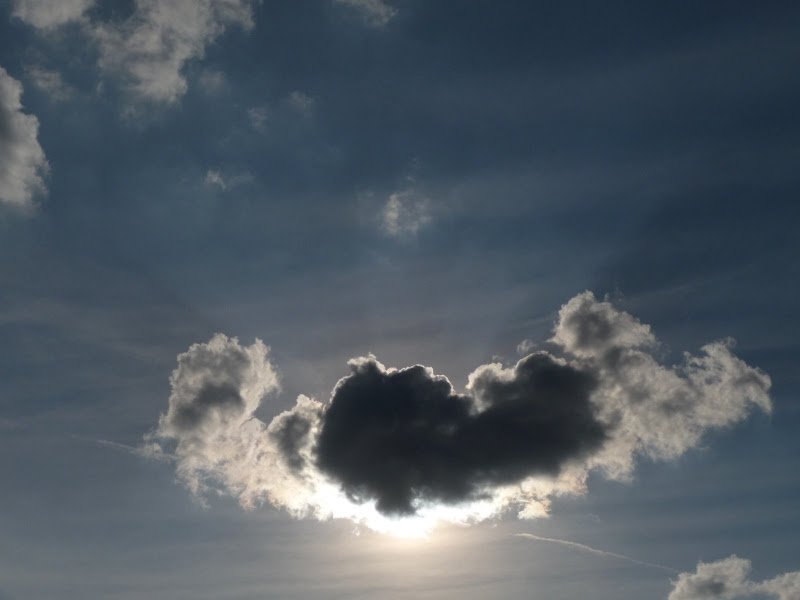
x,y
399,299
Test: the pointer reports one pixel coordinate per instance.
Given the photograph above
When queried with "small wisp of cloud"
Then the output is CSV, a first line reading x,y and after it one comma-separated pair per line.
x,y
526,346
301,103
215,178
258,115
375,13
404,214
589,549
49,82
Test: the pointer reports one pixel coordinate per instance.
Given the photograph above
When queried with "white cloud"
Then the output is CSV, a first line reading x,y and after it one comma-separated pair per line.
x,y
50,82
729,579
152,47
404,214
22,161
216,388
49,14
660,412
374,12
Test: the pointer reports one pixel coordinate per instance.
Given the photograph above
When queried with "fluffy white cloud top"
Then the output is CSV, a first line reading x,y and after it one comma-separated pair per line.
x,y
22,161
729,579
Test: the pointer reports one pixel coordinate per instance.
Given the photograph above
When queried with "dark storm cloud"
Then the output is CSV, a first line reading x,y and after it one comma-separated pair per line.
x,y
401,437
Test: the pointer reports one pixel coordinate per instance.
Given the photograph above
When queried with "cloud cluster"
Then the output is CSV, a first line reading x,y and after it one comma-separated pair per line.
x,y
729,579
22,161
401,448
149,48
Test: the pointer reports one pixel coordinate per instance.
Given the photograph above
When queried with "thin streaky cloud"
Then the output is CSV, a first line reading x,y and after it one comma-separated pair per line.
x,y
146,450
585,548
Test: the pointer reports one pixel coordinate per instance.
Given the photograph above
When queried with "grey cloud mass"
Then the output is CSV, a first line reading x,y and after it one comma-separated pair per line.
x,y
150,48
729,579
22,161
404,443
49,14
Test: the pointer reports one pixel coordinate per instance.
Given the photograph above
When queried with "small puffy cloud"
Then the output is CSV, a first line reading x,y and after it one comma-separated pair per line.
x,y
590,328
404,214
49,82
22,161
215,178
729,579
49,14
258,117
400,449
375,13
301,103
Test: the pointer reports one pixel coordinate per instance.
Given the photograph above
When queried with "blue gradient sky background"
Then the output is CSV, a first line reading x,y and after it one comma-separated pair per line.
x,y
647,151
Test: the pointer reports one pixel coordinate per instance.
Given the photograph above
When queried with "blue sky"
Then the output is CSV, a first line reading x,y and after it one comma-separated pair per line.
x,y
433,184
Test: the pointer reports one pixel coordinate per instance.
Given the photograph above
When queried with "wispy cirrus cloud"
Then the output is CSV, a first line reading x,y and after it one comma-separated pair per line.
x,y
215,178
375,13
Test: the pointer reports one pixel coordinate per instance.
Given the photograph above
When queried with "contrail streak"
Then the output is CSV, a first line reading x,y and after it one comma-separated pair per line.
x,y
144,451
586,548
